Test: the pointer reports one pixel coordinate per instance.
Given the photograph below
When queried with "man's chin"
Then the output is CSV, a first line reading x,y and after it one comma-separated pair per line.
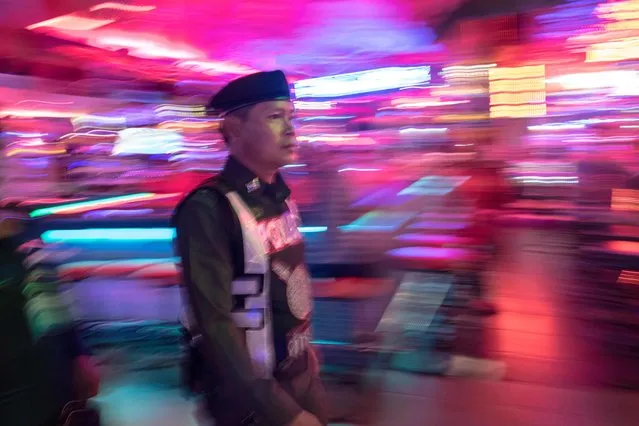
x,y
289,159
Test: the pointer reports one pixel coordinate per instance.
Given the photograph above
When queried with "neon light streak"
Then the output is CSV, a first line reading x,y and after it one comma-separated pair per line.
x,y
434,185
26,135
301,105
180,111
620,50
119,264
30,142
408,103
105,234
355,169
362,82
547,179
215,68
624,200
91,133
122,7
556,127
628,277
378,221
127,234
312,229
337,139
91,205
147,141
97,120
40,151
147,48
328,343
49,201
72,23
328,117
38,113
187,125
411,130
622,80
462,68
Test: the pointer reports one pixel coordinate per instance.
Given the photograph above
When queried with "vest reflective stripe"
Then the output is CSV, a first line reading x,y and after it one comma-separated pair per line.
x,y
259,334
246,286
255,257
253,319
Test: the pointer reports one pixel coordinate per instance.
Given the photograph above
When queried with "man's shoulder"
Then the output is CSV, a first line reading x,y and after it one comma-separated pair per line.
x,y
209,195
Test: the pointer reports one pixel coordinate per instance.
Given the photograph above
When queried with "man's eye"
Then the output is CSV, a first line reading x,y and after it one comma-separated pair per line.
x,y
275,116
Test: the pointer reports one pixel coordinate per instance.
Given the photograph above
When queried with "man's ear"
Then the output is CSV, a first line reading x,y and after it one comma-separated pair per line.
x,y
232,126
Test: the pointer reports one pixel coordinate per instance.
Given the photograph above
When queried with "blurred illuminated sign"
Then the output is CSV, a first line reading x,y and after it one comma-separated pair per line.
x,y
616,83
614,51
434,185
596,80
465,74
625,200
358,83
517,92
147,141
628,277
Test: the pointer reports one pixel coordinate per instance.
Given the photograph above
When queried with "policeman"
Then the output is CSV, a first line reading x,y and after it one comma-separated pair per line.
x,y
248,288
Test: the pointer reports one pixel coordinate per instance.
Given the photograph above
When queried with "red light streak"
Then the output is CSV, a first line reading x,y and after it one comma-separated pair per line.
x,y
72,23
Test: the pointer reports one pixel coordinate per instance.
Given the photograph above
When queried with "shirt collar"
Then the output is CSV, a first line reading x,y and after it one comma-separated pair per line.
x,y
244,180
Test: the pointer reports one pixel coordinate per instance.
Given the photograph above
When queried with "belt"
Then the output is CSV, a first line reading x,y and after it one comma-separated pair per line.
x,y
294,365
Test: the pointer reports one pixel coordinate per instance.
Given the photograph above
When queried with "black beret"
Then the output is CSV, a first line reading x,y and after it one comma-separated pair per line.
x,y
250,90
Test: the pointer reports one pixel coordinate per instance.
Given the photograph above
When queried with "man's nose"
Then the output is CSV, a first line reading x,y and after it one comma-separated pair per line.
x,y
290,127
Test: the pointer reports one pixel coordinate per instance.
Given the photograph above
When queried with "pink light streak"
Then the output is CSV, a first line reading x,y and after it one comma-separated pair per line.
x,y
40,201
315,106
92,133
338,140
32,142
215,68
122,7
408,103
151,47
38,113
72,23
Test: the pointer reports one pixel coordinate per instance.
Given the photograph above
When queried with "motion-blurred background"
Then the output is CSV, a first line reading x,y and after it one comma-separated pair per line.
x,y
467,180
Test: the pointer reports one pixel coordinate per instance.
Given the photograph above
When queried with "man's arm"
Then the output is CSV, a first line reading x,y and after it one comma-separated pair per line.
x,y
204,243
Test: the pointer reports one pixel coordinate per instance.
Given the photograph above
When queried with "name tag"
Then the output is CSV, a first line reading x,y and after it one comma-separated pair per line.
x,y
279,232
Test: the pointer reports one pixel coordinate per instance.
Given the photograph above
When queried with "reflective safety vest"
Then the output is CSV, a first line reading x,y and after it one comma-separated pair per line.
x,y
255,317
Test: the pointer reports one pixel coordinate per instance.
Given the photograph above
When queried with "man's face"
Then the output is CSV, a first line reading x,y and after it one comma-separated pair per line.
x,y
267,135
